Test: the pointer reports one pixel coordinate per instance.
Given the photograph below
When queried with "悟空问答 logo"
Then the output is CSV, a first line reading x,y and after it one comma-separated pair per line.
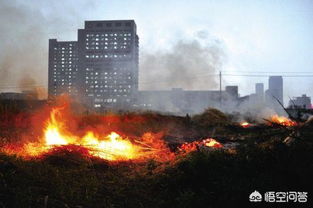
x,y
255,197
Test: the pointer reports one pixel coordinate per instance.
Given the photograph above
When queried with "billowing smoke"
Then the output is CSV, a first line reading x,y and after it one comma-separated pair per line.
x,y
22,55
188,64
25,30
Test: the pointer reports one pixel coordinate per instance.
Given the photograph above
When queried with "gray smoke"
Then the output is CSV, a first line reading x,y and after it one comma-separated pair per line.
x,y
22,51
188,65
25,30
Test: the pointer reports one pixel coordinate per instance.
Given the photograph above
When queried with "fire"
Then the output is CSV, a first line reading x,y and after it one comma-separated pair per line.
x,y
284,121
212,143
245,124
53,135
110,146
114,147
59,136
209,142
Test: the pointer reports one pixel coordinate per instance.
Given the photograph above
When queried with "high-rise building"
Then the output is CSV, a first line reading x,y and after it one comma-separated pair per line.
x,y
259,89
259,92
63,68
108,63
101,68
275,88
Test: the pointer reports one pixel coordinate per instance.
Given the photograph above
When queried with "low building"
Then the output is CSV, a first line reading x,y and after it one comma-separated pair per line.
x,y
182,101
25,95
303,102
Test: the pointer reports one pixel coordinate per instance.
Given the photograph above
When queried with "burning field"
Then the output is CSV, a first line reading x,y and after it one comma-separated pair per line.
x,y
53,156
97,142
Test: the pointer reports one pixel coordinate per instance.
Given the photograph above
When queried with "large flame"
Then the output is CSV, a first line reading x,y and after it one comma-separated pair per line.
x,y
284,121
110,146
52,133
113,147
59,136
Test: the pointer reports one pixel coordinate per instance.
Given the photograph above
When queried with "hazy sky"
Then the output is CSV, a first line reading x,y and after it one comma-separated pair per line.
x,y
258,37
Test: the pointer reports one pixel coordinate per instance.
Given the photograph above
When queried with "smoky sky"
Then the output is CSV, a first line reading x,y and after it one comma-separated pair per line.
x,y
258,36
187,64
21,52
24,49
24,35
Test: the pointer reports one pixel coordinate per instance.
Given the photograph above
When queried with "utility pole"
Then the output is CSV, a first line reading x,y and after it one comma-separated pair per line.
x,y
220,75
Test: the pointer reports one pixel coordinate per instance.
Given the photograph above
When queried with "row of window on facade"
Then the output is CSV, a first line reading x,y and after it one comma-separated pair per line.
x,y
106,80
90,71
64,72
91,94
109,86
56,77
108,100
60,89
65,89
65,58
64,68
62,83
109,43
62,65
107,75
104,73
71,66
106,48
117,76
63,50
113,39
65,62
109,34
106,84
59,92
108,56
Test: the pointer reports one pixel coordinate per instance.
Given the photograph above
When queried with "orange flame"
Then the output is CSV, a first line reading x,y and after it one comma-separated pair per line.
x,y
58,135
209,142
114,147
284,121
110,147
52,133
212,143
